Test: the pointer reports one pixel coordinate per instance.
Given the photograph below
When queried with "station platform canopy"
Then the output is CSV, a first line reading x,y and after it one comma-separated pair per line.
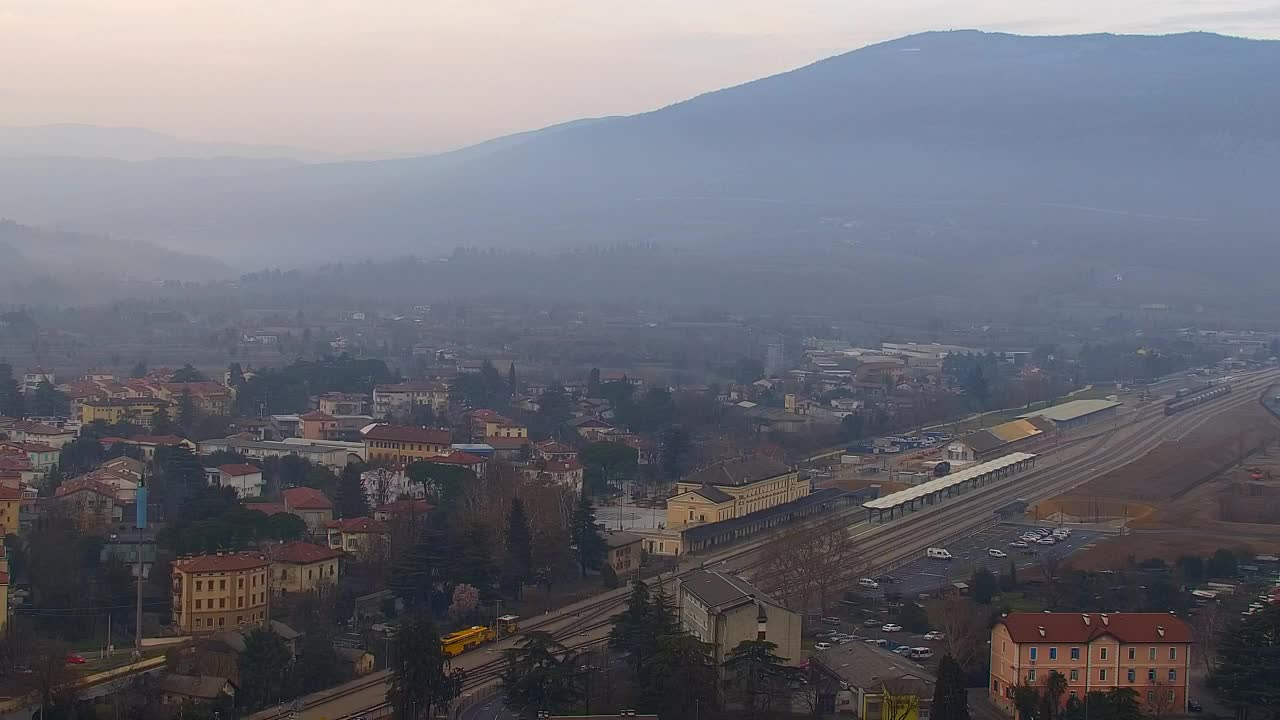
x,y
948,482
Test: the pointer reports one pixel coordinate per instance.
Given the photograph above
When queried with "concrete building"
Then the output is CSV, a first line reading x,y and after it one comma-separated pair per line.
x,y
724,610
998,440
1147,652
336,403
135,411
313,506
364,537
220,592
733,488
245,479
29,431
399,400
624,552
1076,413
404,444
298,567
334,454
872,683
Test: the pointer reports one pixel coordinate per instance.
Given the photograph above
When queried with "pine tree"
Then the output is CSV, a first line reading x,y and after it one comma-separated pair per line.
x,y
11,401
756,677
1249,663
681,679
162,423
518,566
512,383
950,700
593,383
419,577
187,413
632,630
586,535
349,498
139,370
540,675
422,683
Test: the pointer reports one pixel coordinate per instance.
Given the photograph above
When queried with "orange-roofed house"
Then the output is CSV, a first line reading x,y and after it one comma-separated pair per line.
x,y
244,478
404,444
364,537
34,432
313,506
553,450
18,465
403,510
42,457
223,591
1147,652
317,425
90,503
300,566
466,461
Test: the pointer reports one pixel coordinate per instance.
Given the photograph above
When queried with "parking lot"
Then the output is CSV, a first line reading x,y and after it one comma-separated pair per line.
x,y
925,575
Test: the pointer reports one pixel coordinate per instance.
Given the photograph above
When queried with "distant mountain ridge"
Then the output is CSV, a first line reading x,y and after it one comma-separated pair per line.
x,y
1149,149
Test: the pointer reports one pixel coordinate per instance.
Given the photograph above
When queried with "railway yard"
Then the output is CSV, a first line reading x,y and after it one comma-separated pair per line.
x,y
1074,466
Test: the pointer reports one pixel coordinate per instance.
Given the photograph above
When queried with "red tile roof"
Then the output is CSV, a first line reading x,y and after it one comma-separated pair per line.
x,y
239,469
562,466
301,553
15,461
359,525
29,447
10,493
36,428
225,562
155,440
553,447
305,498
75,485
1071,627
407,433
457,457
266,508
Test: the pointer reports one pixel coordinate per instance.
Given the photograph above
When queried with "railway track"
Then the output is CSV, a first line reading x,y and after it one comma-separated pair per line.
x,y
894,541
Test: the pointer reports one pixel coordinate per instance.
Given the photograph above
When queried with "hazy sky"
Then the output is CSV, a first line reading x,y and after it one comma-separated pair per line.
x,y
420,75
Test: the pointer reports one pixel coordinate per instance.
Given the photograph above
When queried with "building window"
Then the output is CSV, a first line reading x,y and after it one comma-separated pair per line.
x,y
1031,675
1034,652
1133,653
240,601
1170,696
1053,653
1133,676
1102,653
1075,653
1151,674
222,621
1073,693
1151,653
1102,675
240,584
239,619
1173,653
197,604
199,585
1173,675
1151,697
995,685
1075,675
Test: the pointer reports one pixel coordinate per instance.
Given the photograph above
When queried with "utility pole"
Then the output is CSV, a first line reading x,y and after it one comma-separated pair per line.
x,y
140,525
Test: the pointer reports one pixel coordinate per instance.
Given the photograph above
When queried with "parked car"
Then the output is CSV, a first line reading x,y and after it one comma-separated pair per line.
x,y
871,622
935,635
831,620
891,628
903,650
887,579
920,653
1018,544
76,659
824,634
822,646
868,583
997,553
1193,706
1046,541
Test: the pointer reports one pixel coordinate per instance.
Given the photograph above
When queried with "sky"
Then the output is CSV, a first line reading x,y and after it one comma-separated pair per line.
x,y
414,76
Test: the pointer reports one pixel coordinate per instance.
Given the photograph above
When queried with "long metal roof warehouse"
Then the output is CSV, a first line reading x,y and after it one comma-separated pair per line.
x,y
934,490
1076,412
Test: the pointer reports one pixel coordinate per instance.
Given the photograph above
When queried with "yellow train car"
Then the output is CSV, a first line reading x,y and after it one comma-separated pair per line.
x,y
456,643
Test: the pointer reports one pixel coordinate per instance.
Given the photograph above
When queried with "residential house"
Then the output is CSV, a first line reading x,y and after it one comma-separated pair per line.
x,y
32,379
125,467
476,465
313,506
28,431
553,450
399,400
724,610
384,484
1149,653
404,444
318,425
176,689
623,554
646,450
147,445
219,592
358,661
333,454
246,479
10,512
139,411
42,457
209,398
411,510
364,537
298,567
18,467
733,488
589,427
337,403
124,486
871,682
90,503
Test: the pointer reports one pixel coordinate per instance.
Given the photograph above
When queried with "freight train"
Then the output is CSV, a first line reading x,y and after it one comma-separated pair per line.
x,y
1199,398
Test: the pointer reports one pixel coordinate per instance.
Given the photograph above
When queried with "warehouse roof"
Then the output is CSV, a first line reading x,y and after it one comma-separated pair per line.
x,y
1073,410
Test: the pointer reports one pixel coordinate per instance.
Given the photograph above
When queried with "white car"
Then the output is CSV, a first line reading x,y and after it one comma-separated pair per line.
x,y
822,646
935,635
1046,541
997,553
891,628
1018,544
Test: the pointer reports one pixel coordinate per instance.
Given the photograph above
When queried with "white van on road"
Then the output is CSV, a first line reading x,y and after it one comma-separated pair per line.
x,y
935,553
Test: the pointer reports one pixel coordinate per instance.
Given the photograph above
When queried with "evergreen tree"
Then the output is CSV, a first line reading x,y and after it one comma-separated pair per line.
x,y
47,401
162,423
422,683
540,675
632,632
517,568
512,382
675,450
419,578
139,370
950,699
983,585
10,398
681,678
188,374
1074,709
349,498
586,536
1249,663
235,375
756,677
187,413
593,383
471,560
264,669
318,666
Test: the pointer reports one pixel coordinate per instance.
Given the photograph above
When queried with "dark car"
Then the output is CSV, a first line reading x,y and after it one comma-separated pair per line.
x,y
1193,706
887,579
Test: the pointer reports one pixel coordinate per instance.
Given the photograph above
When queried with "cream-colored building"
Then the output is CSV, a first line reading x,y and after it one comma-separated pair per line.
x,y
298,567
733,488
220,592
724,610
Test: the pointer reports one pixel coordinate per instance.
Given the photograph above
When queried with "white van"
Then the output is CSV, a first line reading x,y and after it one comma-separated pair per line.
x,y
921,653
868,583
937,554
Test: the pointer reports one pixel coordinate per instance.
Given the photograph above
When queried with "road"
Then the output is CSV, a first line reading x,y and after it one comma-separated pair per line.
x,y
1077,459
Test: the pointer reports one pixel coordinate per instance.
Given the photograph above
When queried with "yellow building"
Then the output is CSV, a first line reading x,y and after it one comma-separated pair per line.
x,y
403,444
298,567
733,488
220,592
138,411
4,599
10,503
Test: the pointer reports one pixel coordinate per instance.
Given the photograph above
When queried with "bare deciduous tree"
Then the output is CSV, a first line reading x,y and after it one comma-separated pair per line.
x,y
1207,626
965,625
808,567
